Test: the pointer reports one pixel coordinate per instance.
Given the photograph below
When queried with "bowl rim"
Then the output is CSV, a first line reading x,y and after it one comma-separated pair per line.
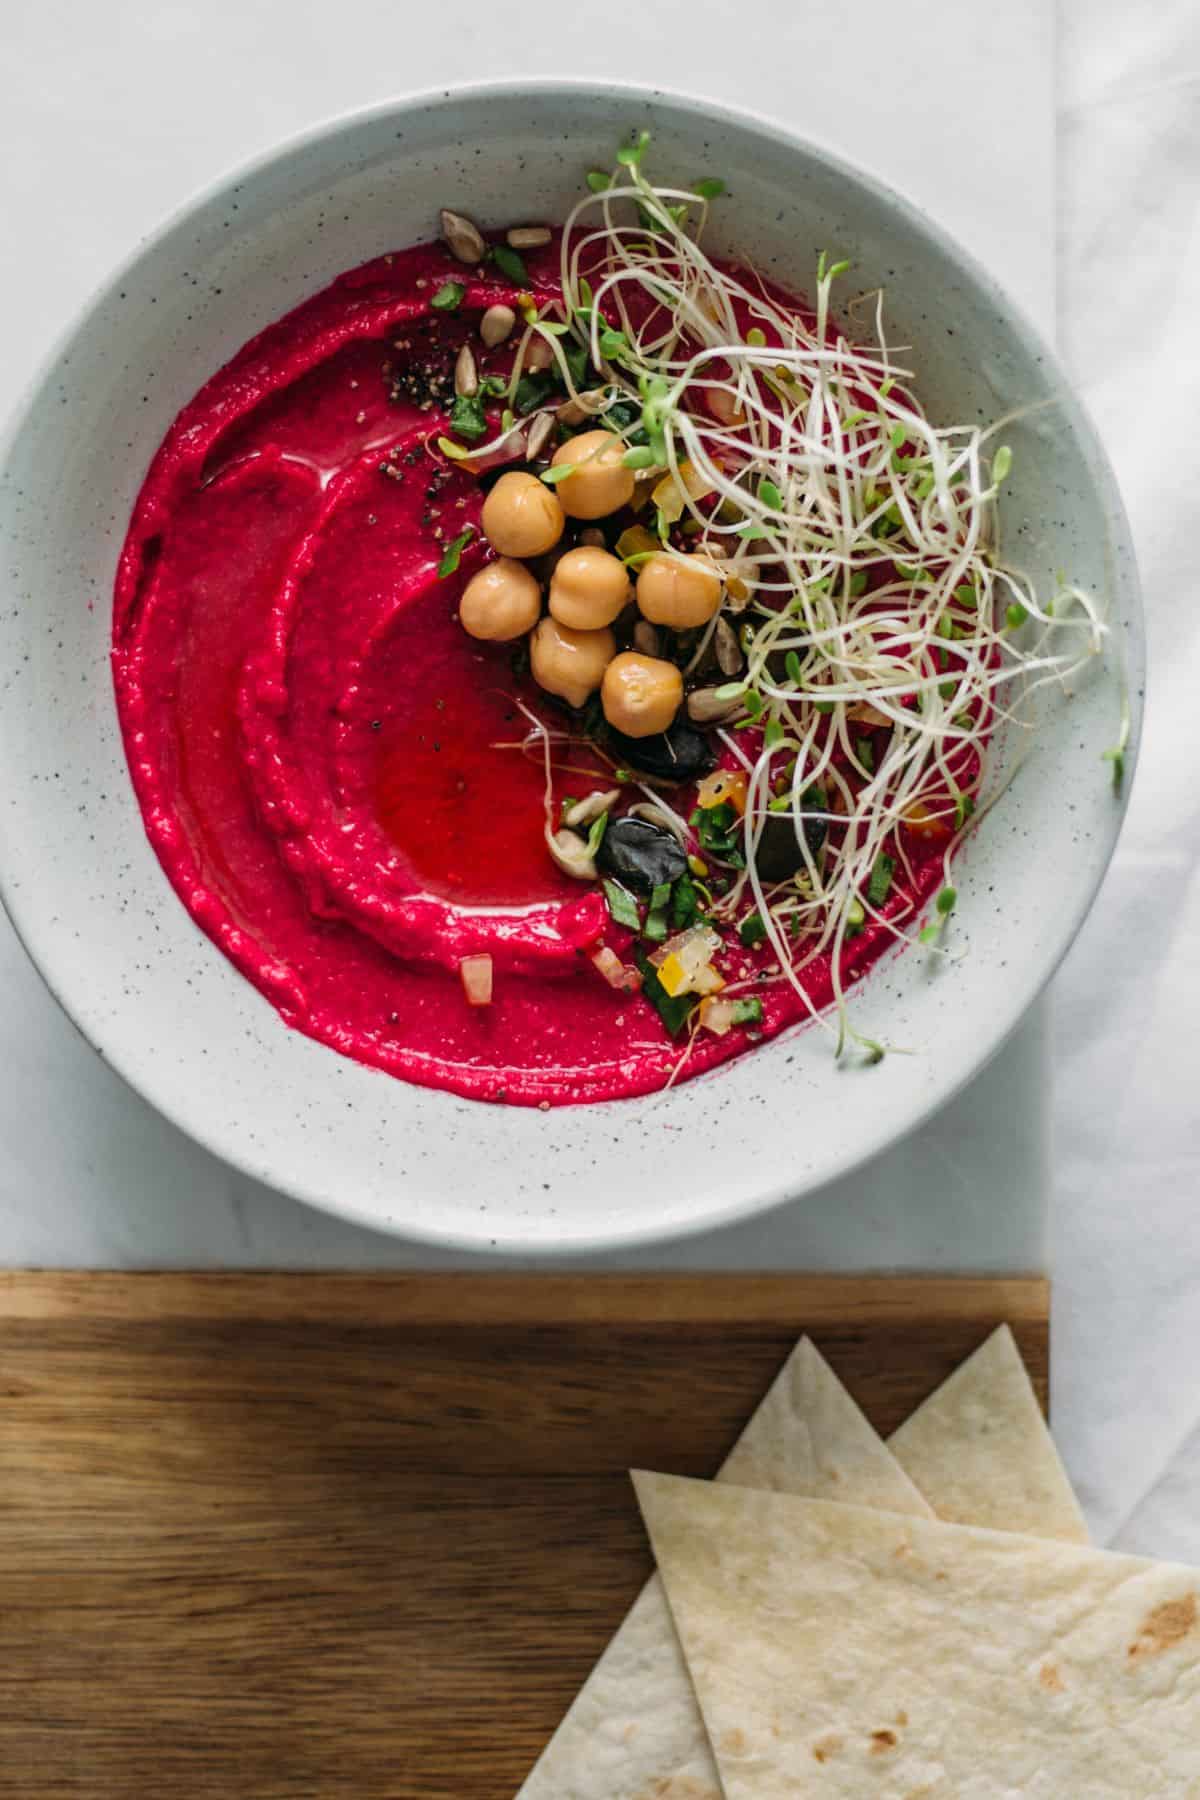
x,y
515,1238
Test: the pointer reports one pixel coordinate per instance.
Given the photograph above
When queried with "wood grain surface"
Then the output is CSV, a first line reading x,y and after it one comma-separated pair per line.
x,y
288,1536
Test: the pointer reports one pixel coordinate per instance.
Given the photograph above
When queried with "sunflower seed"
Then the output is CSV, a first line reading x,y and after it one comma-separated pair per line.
x,y
496,325
574,412
728,650
528,237
538,435
466,374
463,239
590,807
704,708
570,854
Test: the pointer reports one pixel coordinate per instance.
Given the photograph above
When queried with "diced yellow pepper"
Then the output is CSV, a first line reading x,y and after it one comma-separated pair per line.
x,y
674,976
671,495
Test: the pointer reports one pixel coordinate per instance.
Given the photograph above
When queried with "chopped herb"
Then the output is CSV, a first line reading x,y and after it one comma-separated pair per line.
x,y
746,1012
880,883
716,828
449,296
467,417
752,930
659,896
577,362
453,551
534,388
684,904
492,386
622,907
672,1009
620,417
710,187
510,264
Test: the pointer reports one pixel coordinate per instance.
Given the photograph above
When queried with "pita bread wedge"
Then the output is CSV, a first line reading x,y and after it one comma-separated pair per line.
x,y
839,1651
981,1452
634,1731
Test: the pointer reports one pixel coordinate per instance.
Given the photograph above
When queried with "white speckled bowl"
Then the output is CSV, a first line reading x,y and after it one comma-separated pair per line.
x,y
162,1004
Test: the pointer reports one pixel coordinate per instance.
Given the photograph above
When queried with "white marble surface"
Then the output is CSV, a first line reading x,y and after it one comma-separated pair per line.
x,y
111,114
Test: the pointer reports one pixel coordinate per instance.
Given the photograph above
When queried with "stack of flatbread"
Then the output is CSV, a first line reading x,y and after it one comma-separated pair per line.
x,y
921,1620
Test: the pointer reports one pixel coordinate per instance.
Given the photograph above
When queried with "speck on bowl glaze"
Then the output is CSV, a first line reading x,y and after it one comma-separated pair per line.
x,y
163,1004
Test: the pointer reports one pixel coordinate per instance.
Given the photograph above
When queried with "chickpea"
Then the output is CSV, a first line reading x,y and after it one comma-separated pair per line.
x,y
601,483
640,694
521,517
501,602
588,589
678,591
569,663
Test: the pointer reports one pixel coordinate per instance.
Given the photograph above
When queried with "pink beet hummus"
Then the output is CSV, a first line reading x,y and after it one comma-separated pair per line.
x,y
324,759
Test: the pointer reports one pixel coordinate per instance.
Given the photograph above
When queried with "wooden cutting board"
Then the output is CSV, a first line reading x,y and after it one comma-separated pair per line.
x,y
363,1536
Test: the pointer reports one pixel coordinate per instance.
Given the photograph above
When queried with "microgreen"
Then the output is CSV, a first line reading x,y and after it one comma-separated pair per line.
x,y
595,836
453,552
747,1012
558,472
449,296
709,187
598,181
1001,464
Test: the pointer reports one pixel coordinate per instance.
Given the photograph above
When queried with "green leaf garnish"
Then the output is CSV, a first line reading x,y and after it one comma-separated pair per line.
x,y
684,903
449,296
453,551
510,264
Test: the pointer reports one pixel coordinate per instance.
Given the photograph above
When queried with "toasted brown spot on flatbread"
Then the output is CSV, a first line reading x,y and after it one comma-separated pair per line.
x,y
883,1741
921,1793
1165,1627
1050,1679
826,1747
733,1743
902,1718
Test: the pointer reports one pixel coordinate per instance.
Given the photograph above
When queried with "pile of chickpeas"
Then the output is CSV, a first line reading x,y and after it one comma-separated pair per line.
x,y
572,648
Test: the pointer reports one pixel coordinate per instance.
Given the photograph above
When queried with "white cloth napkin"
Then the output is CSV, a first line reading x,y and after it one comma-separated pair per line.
x,y
1126,1113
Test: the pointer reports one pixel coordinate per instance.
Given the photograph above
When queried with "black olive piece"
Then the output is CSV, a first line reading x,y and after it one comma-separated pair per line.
x,y
779,854
641,855
681,753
